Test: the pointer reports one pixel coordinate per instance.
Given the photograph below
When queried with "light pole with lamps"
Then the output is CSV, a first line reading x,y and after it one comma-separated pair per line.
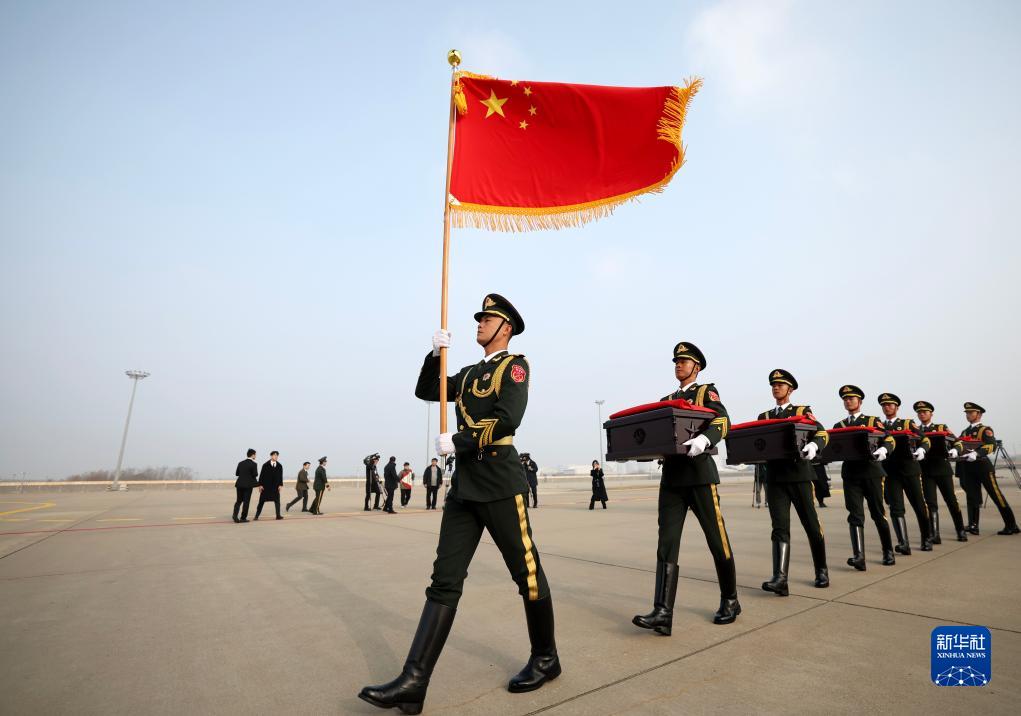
x,y
135,375
599,413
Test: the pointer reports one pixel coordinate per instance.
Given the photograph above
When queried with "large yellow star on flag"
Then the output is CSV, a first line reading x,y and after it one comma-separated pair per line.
x,y
494,105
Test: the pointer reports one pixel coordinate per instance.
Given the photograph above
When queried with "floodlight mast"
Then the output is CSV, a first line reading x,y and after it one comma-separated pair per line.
x,y
135,375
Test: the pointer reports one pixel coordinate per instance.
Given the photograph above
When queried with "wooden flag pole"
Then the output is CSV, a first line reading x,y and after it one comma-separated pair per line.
x,y
454,59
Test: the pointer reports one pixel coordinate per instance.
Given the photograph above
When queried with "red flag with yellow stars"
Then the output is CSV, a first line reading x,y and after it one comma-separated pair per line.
x,y
545,155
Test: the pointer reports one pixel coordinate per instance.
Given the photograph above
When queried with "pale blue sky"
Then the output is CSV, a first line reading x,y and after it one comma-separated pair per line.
x,y
244,199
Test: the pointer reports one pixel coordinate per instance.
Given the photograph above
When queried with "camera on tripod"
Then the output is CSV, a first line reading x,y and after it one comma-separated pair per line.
x,y
369,458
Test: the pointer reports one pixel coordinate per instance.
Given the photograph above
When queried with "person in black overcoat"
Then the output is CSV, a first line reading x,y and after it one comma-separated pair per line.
x,y
390,481
271,479
598,486
248,477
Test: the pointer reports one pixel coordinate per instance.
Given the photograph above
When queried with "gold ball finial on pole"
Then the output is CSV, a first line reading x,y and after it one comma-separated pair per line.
x,y
454,58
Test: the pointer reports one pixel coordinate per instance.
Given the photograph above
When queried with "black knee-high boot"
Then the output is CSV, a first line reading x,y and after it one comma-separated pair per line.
x,y
781,567
661,618
857,558
407,691
543,663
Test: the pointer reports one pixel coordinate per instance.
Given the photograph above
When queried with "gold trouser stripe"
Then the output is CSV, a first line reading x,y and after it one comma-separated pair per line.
x,y
996,488
822,532
526,541
719,522
925,505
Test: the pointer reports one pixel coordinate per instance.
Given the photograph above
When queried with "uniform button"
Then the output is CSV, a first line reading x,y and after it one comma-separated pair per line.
x,y
460,427
493,453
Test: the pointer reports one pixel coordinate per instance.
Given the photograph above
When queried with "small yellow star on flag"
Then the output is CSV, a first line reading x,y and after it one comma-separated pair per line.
x,y
493,105
514,83
531,110
528,91
523,124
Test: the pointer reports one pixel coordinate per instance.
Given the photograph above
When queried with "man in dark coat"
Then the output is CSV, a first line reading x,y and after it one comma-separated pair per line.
x,y
301,486
371,481
320,486
598,486
432,478
390,484
531,476
248,477
271,479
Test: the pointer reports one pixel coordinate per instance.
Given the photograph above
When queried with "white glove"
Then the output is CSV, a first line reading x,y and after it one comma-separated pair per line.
x,y
441,339
952,452
971,456
880,453
809,451
697,445
444,443
919,453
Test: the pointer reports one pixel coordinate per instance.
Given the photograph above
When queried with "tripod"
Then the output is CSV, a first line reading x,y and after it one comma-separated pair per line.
x,y
997,454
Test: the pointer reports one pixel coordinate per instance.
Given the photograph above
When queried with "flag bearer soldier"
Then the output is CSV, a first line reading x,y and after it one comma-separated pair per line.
x,y
904,476
791,482
487,493
937,475
689,482
863,480
976,471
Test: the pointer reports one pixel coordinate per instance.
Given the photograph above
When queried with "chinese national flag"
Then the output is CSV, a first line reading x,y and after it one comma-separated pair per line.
x,y
542,155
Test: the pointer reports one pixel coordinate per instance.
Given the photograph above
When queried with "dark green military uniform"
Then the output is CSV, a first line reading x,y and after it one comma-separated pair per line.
x,y
904,477
863,481
937,478
488,486
690,483
978,474
791,482
486,493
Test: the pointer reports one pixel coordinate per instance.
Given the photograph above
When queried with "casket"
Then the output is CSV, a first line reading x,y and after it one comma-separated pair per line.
x,y
907,441
655,430
967,444
853,443
940,442
759,441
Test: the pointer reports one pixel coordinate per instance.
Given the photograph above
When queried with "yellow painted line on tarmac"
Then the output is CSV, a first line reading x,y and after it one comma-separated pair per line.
x,y
13,519
121,519
66,520
35,506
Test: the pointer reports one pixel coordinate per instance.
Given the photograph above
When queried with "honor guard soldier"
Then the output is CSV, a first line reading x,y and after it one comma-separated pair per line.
x,y
689,482
937,475
976,471
487,493
863,480
904,477
790,482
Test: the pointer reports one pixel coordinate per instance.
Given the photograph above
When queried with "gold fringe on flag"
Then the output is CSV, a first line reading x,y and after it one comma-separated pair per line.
x,y
514,219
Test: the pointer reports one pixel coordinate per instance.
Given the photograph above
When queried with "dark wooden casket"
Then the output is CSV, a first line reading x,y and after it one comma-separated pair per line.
x,y
854,443
648,432
940,442
967,445
907,441
759,441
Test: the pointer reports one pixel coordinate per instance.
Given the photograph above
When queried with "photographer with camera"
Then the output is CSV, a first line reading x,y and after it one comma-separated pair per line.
x,y
372,480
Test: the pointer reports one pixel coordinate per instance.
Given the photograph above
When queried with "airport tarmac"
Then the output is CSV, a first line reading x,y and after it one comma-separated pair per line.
x,y
156,602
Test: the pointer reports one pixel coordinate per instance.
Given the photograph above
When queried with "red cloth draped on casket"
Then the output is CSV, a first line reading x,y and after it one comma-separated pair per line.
x,y
680,404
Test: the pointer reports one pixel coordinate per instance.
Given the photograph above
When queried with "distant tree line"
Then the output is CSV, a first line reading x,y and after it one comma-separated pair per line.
x,y
132,474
